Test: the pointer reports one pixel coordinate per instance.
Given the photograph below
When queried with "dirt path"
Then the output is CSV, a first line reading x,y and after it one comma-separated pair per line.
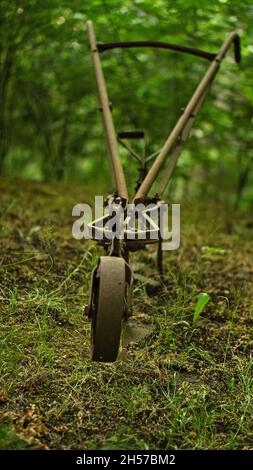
x,y
183,386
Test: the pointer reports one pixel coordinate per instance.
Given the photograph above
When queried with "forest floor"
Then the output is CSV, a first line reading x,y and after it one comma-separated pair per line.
x,y
184,386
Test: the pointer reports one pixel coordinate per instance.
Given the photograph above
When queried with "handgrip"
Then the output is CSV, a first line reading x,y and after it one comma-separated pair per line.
x,y
237,48
131,135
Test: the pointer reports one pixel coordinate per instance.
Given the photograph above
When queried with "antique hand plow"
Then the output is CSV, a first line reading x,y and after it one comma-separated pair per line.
x,y
110,291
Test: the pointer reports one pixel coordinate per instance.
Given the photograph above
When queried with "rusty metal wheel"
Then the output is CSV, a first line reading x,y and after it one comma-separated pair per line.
x,y
108,306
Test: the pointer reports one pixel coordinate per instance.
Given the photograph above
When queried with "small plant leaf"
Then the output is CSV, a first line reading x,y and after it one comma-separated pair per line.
x,y
203,299
214,250
33,230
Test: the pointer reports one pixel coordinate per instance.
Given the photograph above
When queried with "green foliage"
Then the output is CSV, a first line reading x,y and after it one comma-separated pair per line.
x,y
49,124
9,439
214,250
203,299
180,387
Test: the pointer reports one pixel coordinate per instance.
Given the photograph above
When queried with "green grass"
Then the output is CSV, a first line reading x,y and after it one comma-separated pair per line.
x,y
185,386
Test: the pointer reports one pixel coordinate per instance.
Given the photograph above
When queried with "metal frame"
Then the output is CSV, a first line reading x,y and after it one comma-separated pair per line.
x,y
111,285
179,133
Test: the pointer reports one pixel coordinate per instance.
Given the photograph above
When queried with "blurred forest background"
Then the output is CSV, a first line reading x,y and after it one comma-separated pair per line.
x,y
50,127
